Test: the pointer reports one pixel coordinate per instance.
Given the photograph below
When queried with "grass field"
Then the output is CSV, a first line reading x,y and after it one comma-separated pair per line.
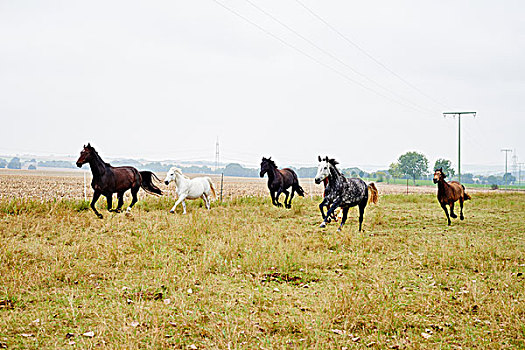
x,y
249,275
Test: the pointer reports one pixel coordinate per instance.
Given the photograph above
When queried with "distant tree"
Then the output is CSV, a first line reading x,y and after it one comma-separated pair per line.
x,y
395,171
413,164
57,164
3,163
14,163
234,169
31,167
307,172
508,178
446,165
494,180
154,166
467,178
380,175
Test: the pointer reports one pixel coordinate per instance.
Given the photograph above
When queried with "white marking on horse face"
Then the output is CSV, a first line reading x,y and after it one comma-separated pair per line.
x,y
323,170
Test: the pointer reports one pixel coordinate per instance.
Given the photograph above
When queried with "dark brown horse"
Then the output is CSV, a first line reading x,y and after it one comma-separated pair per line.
x,y
448,193
279,180
108,180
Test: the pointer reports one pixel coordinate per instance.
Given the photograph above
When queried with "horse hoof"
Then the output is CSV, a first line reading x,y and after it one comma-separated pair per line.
x,y
323,225
172,211
462,217
100,216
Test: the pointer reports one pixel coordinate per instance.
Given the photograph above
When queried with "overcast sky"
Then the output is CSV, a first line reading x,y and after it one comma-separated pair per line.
x,y
164,79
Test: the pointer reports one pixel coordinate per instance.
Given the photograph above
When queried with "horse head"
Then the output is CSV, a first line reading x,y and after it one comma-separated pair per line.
x,y
172,175
267,164
85,155
323,169
439,175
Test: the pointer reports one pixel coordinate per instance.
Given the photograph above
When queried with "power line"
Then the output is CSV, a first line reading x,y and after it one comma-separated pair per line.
x,y
344,37
343,75
334,57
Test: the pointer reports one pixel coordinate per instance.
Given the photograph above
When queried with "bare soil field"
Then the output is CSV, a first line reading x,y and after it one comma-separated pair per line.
x,y
57,184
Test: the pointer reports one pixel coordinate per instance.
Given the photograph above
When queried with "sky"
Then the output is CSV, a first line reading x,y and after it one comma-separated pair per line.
x,y
361,81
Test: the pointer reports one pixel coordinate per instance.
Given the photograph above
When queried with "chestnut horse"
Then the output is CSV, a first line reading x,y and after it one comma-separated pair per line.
x,y
108,180
279,181
448,193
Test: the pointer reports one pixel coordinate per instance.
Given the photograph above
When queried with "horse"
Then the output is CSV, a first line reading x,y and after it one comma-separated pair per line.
x,y
199,187
279,181
342,192
108,180
448,193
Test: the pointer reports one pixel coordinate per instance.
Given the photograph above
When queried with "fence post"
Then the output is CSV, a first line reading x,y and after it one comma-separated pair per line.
x,y
222,181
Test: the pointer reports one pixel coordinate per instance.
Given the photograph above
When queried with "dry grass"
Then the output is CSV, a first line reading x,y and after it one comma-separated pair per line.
x,y
249,275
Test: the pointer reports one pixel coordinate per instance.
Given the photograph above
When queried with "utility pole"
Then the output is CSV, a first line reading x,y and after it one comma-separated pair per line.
x,y
506,150
459,114
519,173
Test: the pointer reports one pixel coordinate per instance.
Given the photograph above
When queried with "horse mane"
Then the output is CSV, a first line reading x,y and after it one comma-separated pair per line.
x,y
92,149
176,169
270,162
333,163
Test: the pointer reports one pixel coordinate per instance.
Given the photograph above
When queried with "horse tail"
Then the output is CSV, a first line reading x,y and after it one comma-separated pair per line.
x,y
466,196
147,182
211,186
373,193
295,184
298,189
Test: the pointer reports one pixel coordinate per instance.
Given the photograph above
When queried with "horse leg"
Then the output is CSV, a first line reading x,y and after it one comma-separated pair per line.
x,y
183,207
362,207
277,198
329,212
206,201
444,206
461,217
109,199
452,215
321,206
96,195
291,196
134,191
120,196
180,199
272,194
286,204
343,220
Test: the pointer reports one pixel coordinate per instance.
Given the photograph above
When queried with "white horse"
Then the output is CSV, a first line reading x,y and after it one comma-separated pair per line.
x,y
199,187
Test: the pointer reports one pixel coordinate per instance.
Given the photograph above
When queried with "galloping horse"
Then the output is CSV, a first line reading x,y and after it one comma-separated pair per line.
x,y
448,193
199,187
279,181
108,180
342,192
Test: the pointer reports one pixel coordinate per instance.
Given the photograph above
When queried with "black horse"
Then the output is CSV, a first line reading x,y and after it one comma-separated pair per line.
x,y
279,181
342,192
108,180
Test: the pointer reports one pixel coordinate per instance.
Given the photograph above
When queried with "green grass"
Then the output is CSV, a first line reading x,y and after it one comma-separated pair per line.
x,y
249,275
420,182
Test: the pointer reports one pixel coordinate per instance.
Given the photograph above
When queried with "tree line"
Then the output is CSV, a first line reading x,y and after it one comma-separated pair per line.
x,y
410,165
